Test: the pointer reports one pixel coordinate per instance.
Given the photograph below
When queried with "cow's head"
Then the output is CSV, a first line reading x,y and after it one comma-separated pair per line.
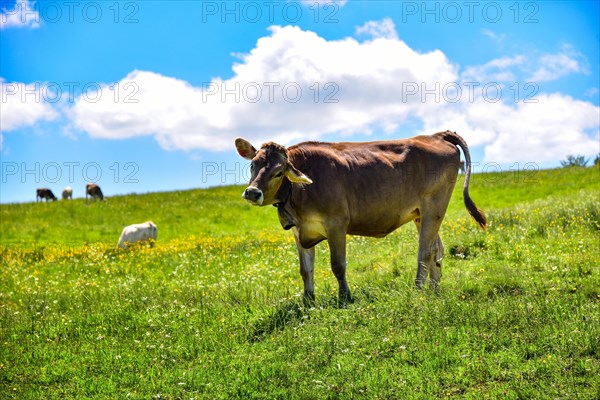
x,y
270,166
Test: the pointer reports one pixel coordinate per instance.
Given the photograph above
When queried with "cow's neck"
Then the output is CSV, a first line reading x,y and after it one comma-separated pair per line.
x,y
286,218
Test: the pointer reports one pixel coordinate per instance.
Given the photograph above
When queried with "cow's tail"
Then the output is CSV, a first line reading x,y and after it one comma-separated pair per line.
x,y
475,212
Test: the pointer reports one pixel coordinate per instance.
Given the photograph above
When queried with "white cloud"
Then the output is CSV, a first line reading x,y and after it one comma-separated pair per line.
x,y
346,87
544,130
496,37
24,14
497,70
380,84
23,105
554,66
531,68
591,92
378,29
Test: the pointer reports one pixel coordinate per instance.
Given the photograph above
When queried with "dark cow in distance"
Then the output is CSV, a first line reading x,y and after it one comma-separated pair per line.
x,y
325,191
93,190
67,193
44,193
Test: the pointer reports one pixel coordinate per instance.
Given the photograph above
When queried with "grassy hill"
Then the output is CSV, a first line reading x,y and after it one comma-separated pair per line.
x,y
220,211
214,309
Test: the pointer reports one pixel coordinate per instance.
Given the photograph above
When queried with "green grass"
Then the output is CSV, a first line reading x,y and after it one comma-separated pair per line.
x,y
213,310
219,211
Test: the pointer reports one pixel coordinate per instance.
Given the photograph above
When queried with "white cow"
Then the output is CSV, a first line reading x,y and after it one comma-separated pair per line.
x,y
137,233
67,193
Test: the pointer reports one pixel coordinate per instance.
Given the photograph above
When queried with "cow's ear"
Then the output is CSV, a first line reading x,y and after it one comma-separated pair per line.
x,y
295,176
245,149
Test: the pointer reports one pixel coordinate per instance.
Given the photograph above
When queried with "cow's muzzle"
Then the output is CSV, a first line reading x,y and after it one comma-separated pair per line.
x,y
253,196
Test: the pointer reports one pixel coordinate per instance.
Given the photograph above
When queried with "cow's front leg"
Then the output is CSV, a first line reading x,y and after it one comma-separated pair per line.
x,y
307,268
337,249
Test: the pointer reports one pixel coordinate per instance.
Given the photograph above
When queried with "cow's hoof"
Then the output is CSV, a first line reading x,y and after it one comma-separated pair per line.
x,y
419,283
309,299
345,298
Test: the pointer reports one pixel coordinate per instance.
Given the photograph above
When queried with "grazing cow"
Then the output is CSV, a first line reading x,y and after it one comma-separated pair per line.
x,y
44,193
94,191
67,193
325,191
137,233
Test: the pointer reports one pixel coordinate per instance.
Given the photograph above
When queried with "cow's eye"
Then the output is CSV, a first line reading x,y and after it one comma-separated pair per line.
x,y
251,168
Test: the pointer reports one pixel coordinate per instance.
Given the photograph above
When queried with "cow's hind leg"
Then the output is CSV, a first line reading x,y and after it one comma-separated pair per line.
x,y
431,250
337,249
307,268
435,273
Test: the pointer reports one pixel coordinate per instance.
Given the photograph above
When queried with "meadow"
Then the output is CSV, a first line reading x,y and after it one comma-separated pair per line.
x,y
214,309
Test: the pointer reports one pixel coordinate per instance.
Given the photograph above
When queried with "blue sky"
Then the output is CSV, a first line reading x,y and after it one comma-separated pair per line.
x,y
142,96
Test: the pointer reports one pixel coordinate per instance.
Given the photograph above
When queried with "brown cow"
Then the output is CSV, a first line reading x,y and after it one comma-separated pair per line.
x,y
94,191
44,193
330,190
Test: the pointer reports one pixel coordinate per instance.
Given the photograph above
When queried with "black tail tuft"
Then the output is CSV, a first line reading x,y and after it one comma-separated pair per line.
x,y
475,212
